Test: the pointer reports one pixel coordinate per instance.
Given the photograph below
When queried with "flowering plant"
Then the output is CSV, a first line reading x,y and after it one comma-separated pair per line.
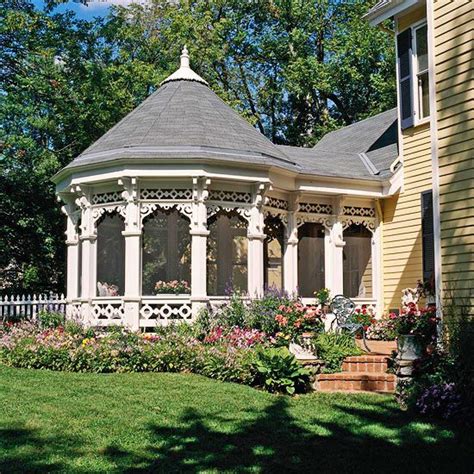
x,y
364,316
442,399
236,337
174,287
416,322
322,296
295,318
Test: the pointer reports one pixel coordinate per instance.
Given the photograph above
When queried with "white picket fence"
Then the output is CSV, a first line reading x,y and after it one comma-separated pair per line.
x,y
28,306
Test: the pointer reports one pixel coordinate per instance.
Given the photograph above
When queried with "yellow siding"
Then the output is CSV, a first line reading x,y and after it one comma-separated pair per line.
x,y
402,251
455,109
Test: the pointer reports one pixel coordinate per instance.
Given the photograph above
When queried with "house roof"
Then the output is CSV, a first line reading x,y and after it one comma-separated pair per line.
x,y
185,120
365,149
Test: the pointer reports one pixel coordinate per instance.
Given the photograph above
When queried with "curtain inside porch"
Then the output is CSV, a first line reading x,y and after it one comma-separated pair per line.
x,y
310,259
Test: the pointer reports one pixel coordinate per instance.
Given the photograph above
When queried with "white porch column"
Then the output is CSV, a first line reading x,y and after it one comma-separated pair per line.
x,y
199,233
337,246
256,238
88,240
132,235
377,262
290,258
72,213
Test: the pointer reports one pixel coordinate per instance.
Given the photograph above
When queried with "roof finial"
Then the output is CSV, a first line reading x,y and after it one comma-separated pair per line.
x,y
184,57
184,73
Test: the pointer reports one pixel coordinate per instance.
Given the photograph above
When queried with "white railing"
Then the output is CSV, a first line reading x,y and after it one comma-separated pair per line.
x,y
28,306
162,310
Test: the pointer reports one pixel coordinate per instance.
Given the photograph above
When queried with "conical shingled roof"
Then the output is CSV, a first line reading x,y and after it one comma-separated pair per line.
x,y
184,118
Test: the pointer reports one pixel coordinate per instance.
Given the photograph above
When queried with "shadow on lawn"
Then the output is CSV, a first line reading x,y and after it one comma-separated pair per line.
x,y
274,442
375,438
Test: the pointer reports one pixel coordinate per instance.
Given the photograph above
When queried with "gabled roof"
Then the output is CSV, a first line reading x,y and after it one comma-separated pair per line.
x,y
365,149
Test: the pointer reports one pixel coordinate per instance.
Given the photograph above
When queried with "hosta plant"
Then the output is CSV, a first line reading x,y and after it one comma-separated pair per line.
x,y
279,371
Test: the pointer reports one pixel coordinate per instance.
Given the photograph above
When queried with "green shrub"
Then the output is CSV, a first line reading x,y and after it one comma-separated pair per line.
x,y
279,371
333,348
50,319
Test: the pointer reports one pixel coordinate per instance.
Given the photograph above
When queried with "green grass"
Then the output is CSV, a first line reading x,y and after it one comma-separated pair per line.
x,y
67,422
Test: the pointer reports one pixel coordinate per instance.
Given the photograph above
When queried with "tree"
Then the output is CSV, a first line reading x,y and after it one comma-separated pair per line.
x,y
294,68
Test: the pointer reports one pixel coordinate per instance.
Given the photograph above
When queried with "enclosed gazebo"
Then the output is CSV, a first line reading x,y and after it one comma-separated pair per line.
x,y
184,190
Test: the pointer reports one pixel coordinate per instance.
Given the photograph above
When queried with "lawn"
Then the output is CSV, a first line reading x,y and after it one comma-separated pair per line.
x,y
54,421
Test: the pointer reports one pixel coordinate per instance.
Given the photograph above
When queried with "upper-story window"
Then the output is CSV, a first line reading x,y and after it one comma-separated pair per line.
x,y
412,53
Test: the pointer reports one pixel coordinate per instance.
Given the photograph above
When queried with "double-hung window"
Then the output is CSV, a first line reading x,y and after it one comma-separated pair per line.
x,y
413,79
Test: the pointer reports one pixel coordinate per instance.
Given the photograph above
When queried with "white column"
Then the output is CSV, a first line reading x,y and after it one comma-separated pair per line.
x,y
328,260
88,240
337,244
132,235
72,242
290,259
377,269
199,233
256,238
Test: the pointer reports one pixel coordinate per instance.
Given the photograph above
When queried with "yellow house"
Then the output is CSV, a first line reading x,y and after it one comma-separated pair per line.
x,y
428,227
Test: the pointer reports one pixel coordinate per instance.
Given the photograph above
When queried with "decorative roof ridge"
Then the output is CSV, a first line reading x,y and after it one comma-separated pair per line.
x,y
184,73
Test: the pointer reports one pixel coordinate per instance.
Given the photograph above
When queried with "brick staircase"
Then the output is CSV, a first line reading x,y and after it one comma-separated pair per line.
x,y
366,373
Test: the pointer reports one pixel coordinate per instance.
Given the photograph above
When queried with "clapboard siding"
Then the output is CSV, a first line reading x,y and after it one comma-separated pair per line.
x,y
402,249
454,106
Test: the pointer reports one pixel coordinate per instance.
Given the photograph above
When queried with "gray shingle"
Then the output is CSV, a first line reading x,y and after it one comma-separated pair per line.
x,y
186,120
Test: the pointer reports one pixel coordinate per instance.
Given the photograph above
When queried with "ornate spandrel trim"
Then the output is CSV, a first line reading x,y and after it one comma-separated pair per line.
x,y
315,208
172,194
358,211
230,196
186,210
367,222
106,198
281,214
325,220
97,213
213,209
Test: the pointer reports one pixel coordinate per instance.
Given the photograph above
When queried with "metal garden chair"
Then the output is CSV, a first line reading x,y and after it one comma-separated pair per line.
x,y
343,308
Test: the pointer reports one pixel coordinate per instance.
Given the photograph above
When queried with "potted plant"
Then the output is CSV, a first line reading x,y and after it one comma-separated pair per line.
x,y
415,329
322,298
174,287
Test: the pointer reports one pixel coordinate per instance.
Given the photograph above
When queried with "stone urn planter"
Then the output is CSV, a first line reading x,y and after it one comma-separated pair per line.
x,y
409,347
304,349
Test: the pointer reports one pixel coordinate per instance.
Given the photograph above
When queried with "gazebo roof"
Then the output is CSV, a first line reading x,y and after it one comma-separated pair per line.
x,y
185,120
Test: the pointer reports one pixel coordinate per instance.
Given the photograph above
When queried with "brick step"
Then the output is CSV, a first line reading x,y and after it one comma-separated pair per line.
x,y
356,382
366,363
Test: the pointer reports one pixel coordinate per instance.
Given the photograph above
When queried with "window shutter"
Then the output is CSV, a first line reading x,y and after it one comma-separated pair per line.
x,y
405,78
427,234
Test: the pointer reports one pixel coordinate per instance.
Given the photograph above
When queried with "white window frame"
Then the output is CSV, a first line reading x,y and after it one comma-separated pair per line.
x,y
416,93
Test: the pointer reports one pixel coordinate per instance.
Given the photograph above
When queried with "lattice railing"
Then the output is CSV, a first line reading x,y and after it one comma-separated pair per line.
x,y
164,310
107,312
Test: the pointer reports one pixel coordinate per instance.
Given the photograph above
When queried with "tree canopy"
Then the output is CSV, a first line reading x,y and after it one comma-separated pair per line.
x,y
296,69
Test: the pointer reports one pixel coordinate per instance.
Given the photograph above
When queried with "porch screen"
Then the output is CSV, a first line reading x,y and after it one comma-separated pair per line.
x,y
273,253
227,250
166,250
357,263
310,259
110,256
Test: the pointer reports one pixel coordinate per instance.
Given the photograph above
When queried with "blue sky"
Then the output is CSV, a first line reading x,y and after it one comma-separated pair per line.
x,y
85,12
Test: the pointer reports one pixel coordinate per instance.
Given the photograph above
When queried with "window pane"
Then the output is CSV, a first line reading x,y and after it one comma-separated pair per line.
x,y
110,256
422,48
310,259
273,253
424,95
357,264
227,250
166,250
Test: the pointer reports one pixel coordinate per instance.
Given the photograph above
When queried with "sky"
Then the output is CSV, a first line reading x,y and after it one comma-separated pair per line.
x,y
84,12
